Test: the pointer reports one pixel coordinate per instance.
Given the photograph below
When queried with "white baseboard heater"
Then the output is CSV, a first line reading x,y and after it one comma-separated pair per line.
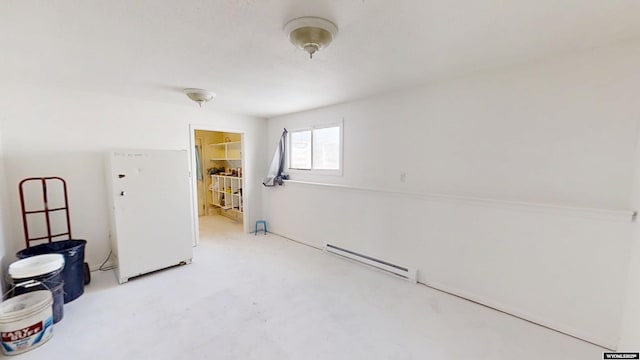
x,y
397,270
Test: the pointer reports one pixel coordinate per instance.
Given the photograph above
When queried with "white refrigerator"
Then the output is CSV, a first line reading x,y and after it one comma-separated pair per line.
x,y
151,212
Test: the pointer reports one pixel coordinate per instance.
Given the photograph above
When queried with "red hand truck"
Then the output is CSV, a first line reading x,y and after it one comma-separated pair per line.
x,y
47,211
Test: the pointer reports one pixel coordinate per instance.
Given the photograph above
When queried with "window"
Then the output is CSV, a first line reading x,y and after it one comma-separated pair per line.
x,y
300,150
318,148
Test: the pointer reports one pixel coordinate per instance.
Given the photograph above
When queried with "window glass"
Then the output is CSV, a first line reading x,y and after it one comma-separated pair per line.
x,y
300,150
326,148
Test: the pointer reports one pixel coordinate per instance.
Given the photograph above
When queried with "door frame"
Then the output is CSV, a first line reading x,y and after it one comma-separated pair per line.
x,y
246,201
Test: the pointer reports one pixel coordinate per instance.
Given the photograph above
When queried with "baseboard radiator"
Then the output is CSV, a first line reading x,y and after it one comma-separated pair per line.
x,y
397,270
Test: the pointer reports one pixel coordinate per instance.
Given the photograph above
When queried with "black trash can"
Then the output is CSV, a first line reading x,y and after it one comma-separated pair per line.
x,y
73,272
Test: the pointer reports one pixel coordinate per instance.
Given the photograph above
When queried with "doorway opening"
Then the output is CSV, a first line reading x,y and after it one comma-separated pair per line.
x,y
219,182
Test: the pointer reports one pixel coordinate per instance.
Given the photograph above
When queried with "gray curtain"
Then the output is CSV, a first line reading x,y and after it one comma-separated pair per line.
x,y
275,174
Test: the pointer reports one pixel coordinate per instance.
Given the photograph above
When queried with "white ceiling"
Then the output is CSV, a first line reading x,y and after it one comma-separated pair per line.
x,y
151,49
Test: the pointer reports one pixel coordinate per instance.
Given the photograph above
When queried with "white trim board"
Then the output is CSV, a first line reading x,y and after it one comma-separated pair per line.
x,y
605,214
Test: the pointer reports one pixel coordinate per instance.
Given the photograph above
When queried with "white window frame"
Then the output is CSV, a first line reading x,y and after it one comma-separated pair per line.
x,y
313,171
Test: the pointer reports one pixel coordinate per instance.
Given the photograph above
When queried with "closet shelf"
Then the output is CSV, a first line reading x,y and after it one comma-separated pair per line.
x,y
226,143
227,151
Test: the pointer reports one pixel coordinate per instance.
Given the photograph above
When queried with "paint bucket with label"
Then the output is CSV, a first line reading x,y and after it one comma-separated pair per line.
x,y
42,272
26,322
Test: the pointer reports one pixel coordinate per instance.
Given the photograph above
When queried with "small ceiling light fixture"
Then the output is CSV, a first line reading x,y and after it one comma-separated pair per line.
x,y
311,33
200,95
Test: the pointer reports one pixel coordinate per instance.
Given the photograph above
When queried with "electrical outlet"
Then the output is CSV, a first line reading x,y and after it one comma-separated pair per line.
x,y
403,177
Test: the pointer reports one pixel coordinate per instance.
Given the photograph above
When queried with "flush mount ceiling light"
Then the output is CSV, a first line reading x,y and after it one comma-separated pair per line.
x,y
311,33
199,95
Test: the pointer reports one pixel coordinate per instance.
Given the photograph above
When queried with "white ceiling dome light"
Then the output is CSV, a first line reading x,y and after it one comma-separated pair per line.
x,y
199,95
311,33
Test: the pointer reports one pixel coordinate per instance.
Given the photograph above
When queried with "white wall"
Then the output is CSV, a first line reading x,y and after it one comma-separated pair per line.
x,y
630,334
65,133
559,132
5,255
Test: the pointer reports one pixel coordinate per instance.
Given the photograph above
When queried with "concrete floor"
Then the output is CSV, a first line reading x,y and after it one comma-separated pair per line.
x,y
264,297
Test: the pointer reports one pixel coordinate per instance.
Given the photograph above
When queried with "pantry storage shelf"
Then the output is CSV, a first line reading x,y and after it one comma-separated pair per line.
x,y
227,192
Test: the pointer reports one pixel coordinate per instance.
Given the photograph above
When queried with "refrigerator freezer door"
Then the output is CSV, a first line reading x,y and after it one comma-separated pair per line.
x,y
152,225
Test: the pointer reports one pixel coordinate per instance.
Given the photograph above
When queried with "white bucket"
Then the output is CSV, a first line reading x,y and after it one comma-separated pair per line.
x,y
40,272
26,321
36,266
